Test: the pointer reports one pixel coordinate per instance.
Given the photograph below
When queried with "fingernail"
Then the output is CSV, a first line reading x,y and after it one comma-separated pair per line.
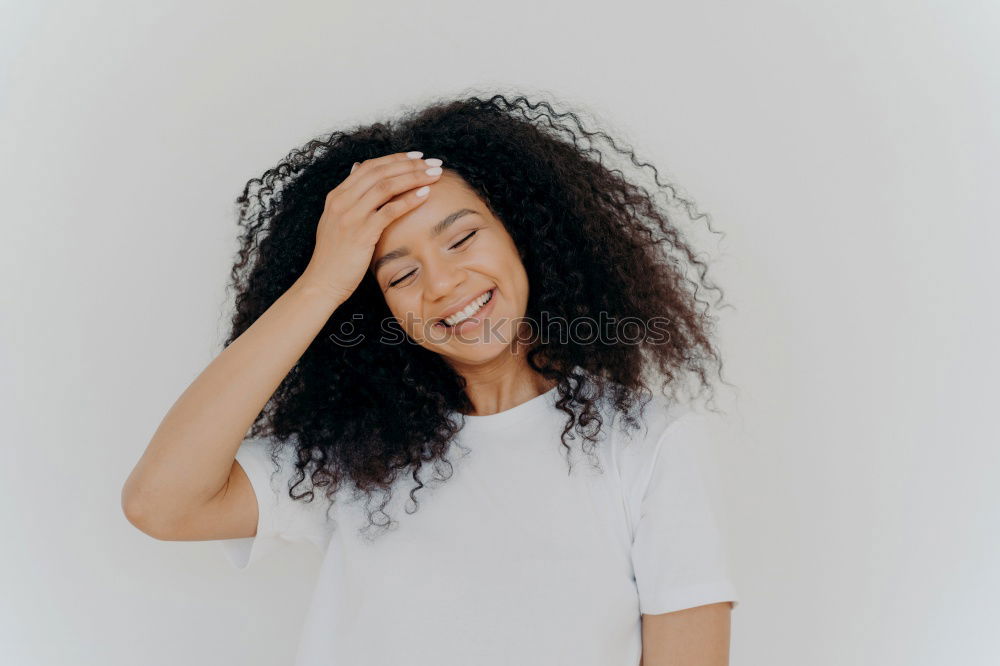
x,y
414,154
354,167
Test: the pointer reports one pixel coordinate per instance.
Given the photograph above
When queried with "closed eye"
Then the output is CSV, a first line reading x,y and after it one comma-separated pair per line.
x,y
395,282
458,244
464,239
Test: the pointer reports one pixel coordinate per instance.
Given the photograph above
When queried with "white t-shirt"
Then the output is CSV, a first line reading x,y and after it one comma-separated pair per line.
x,y
512,560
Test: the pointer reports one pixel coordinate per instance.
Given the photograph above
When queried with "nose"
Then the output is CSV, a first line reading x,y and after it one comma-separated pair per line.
x,y
442,277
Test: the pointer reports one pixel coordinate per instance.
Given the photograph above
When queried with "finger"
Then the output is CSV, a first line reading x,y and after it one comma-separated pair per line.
x,y
387,159
360,178
399,206
386,188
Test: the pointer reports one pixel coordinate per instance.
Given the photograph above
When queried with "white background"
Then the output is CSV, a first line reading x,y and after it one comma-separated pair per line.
x,y
848,149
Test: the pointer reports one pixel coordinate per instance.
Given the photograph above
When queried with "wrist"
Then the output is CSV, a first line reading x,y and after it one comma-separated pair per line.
x,y
331,296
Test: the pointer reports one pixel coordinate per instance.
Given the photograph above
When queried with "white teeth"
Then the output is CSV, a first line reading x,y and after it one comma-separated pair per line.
x,y
470,309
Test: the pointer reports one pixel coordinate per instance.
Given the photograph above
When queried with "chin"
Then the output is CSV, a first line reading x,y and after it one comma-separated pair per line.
x,y
475,353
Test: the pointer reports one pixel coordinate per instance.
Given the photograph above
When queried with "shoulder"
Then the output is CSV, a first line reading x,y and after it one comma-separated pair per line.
x,y
654,420
666,441
268,455
272,466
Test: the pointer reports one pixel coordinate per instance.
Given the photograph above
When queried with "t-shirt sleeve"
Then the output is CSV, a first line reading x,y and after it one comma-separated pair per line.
x,y
678,552
281,519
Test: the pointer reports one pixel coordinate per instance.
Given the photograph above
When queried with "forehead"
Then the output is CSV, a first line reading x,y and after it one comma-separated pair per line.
x,y
448,194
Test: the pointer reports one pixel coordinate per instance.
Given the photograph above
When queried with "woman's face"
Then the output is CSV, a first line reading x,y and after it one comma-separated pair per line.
x,y
449,253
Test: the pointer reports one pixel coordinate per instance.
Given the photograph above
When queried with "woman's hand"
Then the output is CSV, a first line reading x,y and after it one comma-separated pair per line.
x,y
357,211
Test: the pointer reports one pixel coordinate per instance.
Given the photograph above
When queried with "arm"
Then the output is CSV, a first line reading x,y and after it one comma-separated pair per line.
x,y
190,459
180,488
691,637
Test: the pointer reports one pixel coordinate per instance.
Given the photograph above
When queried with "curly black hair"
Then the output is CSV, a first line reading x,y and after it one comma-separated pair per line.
x,y
590,240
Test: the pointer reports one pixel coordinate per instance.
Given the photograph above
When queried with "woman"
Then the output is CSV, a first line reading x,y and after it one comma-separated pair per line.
x,y
462,281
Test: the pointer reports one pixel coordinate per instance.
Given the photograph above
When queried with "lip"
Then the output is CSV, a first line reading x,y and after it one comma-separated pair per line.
x,y
475,320
459,308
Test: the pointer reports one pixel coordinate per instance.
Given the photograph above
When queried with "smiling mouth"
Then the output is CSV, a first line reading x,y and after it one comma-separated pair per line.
x,y
489,297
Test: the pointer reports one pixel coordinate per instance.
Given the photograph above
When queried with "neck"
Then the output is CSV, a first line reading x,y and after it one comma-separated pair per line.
x,y
500,384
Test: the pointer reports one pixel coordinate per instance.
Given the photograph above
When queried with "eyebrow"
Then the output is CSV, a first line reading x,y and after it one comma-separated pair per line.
x,y
437,230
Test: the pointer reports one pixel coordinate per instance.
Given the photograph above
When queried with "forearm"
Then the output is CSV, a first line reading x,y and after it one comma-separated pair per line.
x,y
190,456
696,636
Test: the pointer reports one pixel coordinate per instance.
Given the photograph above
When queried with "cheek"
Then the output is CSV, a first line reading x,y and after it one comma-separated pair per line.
x,y
403,310
518,275
392,304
